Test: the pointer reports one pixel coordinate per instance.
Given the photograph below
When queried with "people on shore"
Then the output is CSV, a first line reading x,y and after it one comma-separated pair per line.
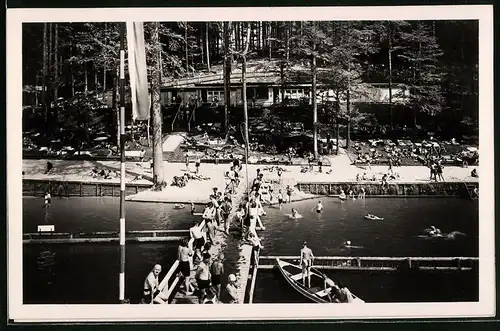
x,y
474,173
210,231
151,285
184,255
306,261
217,270
232,289
225,211
256,246
203,276
187,162
362,193
198,241
197,165
289,193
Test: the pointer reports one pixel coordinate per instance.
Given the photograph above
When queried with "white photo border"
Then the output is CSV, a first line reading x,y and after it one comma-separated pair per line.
x,y
18,312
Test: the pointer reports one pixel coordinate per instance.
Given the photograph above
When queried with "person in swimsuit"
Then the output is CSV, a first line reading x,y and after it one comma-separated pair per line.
x,y
198,240
319,207
48,199
193,209
280,199
184,255
217,270
203,276
151,285
306,261
232,289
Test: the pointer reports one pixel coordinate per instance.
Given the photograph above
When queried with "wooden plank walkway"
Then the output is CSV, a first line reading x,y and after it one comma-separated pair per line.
x,y
181,297
244,264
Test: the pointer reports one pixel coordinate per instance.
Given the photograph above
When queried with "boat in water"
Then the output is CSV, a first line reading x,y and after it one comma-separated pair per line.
x,y
317,291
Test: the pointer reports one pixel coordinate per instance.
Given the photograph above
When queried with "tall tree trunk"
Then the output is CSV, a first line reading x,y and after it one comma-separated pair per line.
x,y
157,114
44,69
56,72
86,122
270,34
337,122
50,67
201,44
314,99
56,62
104,83
186,43
208,46
390,75
348,104
71,69
227,77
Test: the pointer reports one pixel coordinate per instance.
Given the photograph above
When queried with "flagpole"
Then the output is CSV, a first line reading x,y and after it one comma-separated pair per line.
x,y
122,163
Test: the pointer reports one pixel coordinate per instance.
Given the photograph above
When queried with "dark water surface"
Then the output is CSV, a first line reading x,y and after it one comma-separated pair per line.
x,y
88,273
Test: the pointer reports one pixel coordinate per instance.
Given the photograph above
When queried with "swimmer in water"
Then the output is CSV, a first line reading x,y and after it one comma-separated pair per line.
x,y
295,214
435,232
179,206
319,207
347,244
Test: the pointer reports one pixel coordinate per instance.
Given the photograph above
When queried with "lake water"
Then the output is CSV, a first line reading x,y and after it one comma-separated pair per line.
x,y
88,273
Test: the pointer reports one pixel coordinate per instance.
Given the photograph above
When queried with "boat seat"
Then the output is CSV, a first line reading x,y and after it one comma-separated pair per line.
x,y
296,277
321,293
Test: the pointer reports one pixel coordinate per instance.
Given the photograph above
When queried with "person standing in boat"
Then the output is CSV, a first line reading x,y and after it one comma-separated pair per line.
x,y
306,261
151,285
184,255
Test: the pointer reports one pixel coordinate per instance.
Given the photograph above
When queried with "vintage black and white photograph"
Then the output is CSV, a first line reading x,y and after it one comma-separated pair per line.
x,y
291,160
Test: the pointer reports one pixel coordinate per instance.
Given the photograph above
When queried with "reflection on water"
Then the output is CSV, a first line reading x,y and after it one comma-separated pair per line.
x,y
51,271
46,262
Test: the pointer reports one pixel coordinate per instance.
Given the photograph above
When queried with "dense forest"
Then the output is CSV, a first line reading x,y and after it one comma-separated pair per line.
x,y
436,60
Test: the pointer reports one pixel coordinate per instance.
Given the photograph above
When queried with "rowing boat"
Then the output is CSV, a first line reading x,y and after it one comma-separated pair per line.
x,y
317,291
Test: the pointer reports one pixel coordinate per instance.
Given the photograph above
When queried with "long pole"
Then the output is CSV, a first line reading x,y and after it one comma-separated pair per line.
x,y
122,162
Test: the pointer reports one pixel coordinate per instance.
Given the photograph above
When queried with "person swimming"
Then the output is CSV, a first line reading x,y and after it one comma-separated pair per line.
x,y
342,195
179,206
433,231
347,244
295,214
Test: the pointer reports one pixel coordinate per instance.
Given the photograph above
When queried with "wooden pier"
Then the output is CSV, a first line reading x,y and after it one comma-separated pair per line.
x,y
244,265
103,237
373,263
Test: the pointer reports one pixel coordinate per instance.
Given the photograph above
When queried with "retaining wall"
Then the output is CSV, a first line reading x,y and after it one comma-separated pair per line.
x,y
443,189
38,187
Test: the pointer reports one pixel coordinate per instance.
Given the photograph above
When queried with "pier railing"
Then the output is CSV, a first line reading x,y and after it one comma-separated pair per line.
x,y
380,263
168,287
103,236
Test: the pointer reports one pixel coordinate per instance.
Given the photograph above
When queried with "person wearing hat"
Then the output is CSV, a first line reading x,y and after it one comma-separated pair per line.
x,y
217,270
232,289
203,276
306,260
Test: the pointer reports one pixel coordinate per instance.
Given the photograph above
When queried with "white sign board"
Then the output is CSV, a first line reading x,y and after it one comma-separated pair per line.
x,y
46,228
